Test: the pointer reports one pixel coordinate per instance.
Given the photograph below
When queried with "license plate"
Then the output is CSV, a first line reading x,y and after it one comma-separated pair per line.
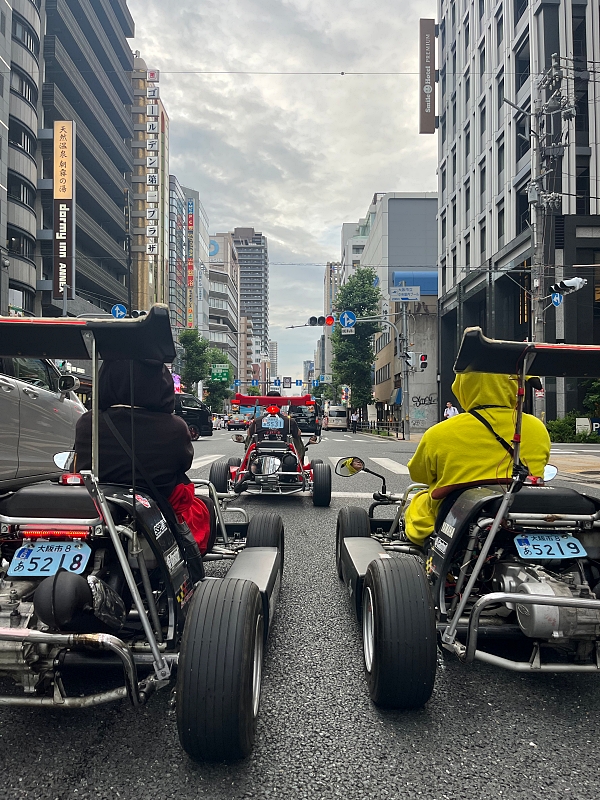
x,y
46,558
549,545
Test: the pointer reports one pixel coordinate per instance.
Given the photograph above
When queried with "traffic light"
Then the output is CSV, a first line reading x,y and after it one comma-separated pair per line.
x,y
137,313
423,361
411,360
316,321
568,285
330,320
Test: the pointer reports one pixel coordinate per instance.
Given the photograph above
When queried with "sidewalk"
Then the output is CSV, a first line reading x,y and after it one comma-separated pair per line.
x,y
414,437
578,466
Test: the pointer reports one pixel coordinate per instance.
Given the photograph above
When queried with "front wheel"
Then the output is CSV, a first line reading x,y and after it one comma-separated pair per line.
x,y
399,633
194,432
219,476
220,671
352,522
321,485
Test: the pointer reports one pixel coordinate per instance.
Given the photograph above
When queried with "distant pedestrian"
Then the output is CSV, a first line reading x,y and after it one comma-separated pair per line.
x,y
450,411
354,421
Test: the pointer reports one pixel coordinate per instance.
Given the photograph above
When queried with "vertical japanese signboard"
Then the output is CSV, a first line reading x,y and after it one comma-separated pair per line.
x,y
427,76
64,209
190,262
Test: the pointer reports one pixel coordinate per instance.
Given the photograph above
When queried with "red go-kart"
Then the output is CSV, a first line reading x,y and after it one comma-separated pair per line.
x,y
273,465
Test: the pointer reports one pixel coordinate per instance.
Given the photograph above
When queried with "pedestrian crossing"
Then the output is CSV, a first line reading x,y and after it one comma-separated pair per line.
x,y
204,461
386,463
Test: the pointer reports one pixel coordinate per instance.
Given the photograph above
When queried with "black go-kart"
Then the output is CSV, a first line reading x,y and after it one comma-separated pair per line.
x,y
509,571
95,577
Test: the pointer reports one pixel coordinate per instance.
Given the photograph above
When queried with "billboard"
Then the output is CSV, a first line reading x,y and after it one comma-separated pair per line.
x,y
190,262
427,76
64,209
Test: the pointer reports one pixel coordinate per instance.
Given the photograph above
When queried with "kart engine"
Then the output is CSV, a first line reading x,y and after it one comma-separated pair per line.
x,y
542,621
17,612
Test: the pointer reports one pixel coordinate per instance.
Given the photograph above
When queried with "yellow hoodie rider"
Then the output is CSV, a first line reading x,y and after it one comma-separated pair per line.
x,y
460,450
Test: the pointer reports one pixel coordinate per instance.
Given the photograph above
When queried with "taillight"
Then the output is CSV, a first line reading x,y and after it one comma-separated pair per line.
x,y
72,479
73,532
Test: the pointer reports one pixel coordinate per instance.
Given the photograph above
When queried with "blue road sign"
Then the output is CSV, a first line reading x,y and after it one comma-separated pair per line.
x,y
348,319
276,382
315,383
298,383
255,382
119,311
237,382
557,299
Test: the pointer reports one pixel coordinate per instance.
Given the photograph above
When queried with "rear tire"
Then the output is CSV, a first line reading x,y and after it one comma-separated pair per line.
x,y
219,476
220,670
352,522
321,485
315,461
266,530
399,633
234,462
194,432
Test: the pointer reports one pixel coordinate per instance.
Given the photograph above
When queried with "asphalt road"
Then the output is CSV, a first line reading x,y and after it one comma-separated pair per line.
x,y
485,732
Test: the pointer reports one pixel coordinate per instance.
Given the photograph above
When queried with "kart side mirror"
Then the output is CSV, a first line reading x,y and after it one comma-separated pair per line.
x,y
347,467
237,437
65,461
550,472
68,383
314,440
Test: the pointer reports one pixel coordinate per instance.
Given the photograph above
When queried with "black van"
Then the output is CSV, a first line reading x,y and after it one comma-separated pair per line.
x,y
197,415
308,418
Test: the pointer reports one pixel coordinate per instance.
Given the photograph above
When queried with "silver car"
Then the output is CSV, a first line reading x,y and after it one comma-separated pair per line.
x,y
37,419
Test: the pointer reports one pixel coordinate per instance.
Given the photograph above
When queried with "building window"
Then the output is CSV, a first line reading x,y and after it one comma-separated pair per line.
x,y
467,39
482,184
443,34
23,33
453,15
500,96
454,219
482,122
454,118
21,137
467,147
443,85
501,226
467,252
482,241
23,86
522,66
454,70
522,211
582,184
481,69
481,8
443,180
523,143
467,203
500,165
443,229
520,8
443,127
499,30
454,266
2,23
453,170
19,243
467,93
20,190
357,249
443,270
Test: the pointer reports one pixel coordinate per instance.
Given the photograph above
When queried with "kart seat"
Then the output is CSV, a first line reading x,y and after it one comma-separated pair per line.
x,y
275,446
50,500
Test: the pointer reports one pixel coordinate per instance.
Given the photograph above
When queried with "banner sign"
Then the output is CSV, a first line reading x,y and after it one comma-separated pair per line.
x,y
427,76
190,262
64,209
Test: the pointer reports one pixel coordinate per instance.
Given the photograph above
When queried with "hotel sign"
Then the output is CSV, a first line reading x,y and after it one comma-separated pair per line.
x,y
190,262
64,209
427,76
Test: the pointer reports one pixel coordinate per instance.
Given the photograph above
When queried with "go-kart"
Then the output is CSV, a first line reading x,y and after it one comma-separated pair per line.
x,y
273,465
97,576
506,564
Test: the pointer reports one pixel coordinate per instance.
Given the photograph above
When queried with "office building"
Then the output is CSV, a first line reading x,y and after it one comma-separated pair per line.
x,y
177,254
246,352
253,255
399,235
489,52
273,359
223,300
197,259
308,373
87,64
354,237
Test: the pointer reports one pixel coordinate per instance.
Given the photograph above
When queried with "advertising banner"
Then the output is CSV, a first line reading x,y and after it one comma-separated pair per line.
x,y
427,76
64,209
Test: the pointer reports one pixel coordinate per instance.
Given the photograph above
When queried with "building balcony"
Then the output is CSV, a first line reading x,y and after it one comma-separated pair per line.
x,y
100,278
100,242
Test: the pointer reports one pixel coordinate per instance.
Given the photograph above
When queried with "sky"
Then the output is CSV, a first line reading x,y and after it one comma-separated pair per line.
x,y
292,155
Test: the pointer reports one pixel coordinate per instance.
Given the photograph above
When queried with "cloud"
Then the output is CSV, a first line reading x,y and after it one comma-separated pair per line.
x,y
292,155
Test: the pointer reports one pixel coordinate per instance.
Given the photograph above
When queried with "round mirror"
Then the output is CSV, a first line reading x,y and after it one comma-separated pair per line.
x,y
237,437
550,472
347,467
265,465
65,461
314,440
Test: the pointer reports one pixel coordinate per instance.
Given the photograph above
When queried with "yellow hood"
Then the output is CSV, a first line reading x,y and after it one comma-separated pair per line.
x,y
473,389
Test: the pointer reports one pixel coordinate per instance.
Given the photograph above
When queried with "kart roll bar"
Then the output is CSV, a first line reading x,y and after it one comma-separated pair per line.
x,y
265,400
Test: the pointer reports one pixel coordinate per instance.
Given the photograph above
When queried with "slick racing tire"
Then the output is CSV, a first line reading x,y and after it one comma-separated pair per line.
x,y
321,485
234,462
194,432
351,522
266,530
220,670
315,461
399,633
219,476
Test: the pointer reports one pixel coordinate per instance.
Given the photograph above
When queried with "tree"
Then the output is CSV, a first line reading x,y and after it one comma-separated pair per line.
x,y
353,356
252,391
196,357
218,391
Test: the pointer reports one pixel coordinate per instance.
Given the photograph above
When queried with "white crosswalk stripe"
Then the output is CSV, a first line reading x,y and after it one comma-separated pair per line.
x,y
204,461
393,466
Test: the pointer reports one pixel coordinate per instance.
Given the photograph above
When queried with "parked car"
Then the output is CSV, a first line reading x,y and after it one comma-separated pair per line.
x,y
237,422
197,415
308,418
37,419
337,419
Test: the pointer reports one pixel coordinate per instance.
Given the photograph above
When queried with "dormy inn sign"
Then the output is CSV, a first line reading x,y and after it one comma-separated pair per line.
x,y
427,76
64,209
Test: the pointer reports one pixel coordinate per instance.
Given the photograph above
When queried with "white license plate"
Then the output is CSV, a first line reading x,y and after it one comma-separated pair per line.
x,y
549,545
46,558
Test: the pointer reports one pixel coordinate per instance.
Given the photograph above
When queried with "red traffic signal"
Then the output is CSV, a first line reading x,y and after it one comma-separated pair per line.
x,y
330,320
423,361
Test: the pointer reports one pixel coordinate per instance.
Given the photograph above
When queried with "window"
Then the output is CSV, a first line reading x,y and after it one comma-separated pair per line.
x,y
467,38
443,270
20,190
523,143
443,229
482,122
19,243
482,183
443,127
481,68
443,34
467,252
499,30
520,8
522,66
454,118
467,203
357,248
23,33
467,147
20,302
443,85
36,372
454,218
482,241
453,15
500,165
467,93
454,70
522,211
23,86
481,8
2,23
454,266
443,180
582,184
453,170
381,375
501,226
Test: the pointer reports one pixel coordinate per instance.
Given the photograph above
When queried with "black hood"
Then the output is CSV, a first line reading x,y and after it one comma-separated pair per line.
x,y
152,385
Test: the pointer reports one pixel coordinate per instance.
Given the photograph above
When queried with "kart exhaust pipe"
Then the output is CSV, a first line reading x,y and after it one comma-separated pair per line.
x,y
67,601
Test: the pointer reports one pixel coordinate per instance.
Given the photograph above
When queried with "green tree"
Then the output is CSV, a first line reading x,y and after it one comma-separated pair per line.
x,y
216,392
196,362
591,401
252,391
353,356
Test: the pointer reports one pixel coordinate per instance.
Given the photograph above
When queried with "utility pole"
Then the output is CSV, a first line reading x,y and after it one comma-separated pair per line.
x,y
128,245
405,376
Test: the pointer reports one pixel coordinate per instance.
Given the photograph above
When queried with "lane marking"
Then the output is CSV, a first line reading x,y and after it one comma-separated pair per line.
x,y
393,466
204,461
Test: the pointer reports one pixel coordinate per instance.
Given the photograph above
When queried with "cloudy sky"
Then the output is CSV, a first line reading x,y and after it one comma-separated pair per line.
x,y
293,155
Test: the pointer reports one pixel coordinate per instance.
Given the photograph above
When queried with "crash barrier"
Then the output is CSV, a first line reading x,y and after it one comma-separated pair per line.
x,y
393,428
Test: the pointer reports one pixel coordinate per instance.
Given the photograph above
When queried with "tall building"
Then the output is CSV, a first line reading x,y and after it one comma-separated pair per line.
x,y
354,237
331,285
177,255
246,352
308,373
253,255
223,300
273,359
149,214
197,261
489,52
87,63
399,234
